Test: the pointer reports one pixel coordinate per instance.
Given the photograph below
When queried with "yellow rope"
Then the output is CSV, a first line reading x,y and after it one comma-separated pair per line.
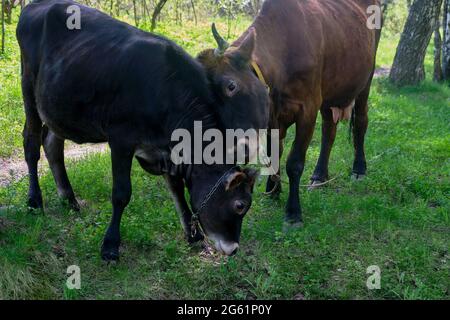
x,y
260,75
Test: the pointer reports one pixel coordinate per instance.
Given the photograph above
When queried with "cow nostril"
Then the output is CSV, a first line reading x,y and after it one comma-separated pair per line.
x,y
228,248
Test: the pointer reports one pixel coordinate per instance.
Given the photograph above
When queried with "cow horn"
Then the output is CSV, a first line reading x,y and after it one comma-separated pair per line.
x,y
221,42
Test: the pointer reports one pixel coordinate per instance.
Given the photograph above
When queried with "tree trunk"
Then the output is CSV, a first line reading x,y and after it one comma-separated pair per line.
x,y
118,8
158,8
446,44
176,12
144,13
193,10
7,8
136,22
437,74
408,67
147,12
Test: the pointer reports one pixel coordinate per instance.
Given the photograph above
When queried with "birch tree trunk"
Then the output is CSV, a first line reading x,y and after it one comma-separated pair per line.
x,y
446,43
408,67
437,74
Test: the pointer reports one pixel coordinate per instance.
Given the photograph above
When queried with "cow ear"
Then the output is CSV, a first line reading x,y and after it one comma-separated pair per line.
x,y
245,50
207,58
234,180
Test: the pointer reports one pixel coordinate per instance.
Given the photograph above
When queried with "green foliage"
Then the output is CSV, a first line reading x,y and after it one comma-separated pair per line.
x,y
395,18
11,110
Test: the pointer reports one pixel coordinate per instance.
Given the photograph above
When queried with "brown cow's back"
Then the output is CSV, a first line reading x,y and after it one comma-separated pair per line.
x,y
304,46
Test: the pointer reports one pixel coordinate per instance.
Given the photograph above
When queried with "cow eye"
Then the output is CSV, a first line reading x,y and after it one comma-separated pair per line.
x,y
231,88
239,206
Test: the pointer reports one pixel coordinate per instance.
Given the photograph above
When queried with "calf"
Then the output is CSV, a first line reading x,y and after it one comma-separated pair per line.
x,y
110,82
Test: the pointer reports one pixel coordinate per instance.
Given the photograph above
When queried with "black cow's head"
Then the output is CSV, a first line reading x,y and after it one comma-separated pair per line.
x,y
241,98
222,215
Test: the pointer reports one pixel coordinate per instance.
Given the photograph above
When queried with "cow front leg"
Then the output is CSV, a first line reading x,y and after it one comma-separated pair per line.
x,y
320,174
32,140
296,163
176,187
122,157
54,151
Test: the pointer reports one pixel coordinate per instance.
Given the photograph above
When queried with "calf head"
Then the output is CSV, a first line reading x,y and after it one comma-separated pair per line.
x,y
241,98
221,215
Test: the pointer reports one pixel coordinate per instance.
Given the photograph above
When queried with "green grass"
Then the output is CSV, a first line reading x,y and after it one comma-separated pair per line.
x,y
397,218
11,105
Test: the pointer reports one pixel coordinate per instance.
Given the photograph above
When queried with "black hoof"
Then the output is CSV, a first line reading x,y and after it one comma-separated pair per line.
x,y
359,168
291,226
273,186
110,255
35,202
319,177
74,205
109,252
293,215
68,199
358,176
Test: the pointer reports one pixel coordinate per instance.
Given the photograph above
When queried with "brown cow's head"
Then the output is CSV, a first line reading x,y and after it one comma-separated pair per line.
x,y
241,98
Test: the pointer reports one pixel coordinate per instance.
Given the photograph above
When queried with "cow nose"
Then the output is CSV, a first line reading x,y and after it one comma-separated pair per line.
x,y
229,248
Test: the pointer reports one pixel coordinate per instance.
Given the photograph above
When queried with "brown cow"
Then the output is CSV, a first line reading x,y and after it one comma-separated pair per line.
x,y
314,55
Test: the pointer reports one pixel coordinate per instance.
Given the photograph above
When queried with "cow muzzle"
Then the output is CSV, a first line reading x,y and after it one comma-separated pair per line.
x,y
227,248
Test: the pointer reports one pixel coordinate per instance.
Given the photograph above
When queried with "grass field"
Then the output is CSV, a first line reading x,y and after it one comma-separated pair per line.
x,y
397,218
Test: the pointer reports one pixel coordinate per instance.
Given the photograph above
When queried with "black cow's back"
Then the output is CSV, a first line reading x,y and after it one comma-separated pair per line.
x,y
107,74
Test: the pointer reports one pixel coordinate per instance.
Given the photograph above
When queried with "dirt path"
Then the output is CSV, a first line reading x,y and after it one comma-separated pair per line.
x,y
15,168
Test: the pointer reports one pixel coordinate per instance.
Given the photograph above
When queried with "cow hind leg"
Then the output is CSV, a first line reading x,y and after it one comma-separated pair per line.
x,y
32,145
54,151
122,157
329,126
360,124
273,185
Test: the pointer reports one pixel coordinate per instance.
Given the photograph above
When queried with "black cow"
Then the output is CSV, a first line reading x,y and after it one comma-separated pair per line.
x,y
110,82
